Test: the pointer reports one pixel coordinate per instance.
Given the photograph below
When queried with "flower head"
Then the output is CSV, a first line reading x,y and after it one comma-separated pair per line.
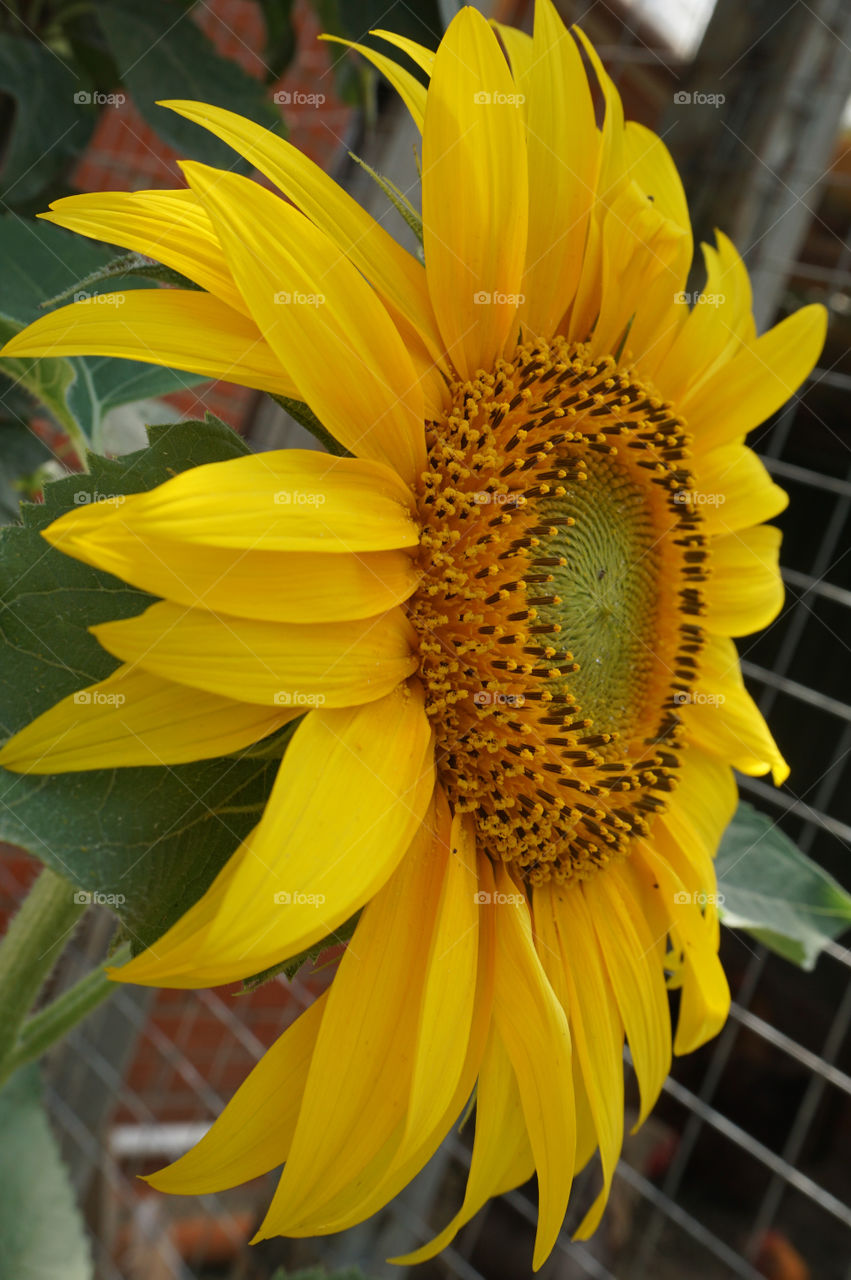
x,y
505,621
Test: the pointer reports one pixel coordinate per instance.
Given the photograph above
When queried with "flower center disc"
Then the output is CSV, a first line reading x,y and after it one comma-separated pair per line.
x,y
562,559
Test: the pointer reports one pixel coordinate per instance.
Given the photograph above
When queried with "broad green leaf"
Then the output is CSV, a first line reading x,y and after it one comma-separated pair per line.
x,y
152,837
42,1235
164,54
776,893
22,455
49,127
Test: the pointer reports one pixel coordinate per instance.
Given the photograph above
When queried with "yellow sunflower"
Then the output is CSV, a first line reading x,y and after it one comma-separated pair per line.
x,y
506,621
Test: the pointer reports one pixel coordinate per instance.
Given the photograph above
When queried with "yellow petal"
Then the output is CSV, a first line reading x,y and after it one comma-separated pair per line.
x,y
276,664
134,718
502,1157
253,1133
418,53
169,226
734,490
411,1147
401,1019
711,331
353,788
272,585
595,1027
395,273
705,1011
637,979
286,500
745,590
563,146
699,809
534,1029
185,329
722,717
409,89
322,315
475,211
747,389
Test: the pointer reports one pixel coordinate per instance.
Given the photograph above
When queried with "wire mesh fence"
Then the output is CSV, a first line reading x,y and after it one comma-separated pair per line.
x,y
742,1170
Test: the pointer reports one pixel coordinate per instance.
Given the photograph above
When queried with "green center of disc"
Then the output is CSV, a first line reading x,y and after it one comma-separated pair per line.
x,y
608,589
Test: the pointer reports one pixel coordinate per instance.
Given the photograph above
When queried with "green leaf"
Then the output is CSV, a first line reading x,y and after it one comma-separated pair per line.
x,y
41,1229
151,838
127,264
49,127
40,262
22,455
776,893
162,56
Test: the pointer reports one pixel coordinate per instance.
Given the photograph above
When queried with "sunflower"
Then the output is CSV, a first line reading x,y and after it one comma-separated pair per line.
x,y
504,622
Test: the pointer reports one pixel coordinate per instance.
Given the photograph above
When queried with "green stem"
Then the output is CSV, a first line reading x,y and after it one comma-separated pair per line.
x,y
30,949
47,1026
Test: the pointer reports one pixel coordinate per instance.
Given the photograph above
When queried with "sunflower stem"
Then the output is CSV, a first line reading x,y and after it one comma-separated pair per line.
x,y
38,1033
31,947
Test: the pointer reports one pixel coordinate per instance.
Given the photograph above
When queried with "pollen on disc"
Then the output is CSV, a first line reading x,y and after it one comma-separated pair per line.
x,y
559,610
